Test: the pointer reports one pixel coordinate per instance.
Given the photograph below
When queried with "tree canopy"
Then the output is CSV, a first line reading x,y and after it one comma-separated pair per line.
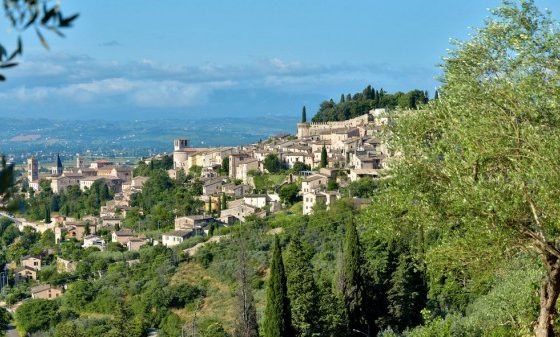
x,y
480,162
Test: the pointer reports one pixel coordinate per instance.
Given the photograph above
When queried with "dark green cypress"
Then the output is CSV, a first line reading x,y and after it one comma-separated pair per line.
x,y
324,158
277,315
342,98
224,201
436,95
407,295
47,214
350,278
303,115
302,289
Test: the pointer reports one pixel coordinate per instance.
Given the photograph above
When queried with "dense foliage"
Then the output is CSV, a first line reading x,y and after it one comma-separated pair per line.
x,y
71,201
163,198
351,106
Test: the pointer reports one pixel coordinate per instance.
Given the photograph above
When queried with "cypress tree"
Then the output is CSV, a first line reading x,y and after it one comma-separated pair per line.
x,y
324,158
47,214
246,323
224,201
350,279
277,316
348,98
302,290
303,115
342,98
407,295
209,205
436,95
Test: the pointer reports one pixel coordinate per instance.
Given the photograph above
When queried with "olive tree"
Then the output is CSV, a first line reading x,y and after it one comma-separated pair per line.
x,y
39,15
480,164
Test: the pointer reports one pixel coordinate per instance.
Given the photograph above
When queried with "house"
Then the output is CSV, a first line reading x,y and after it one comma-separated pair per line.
x,y
236,190
97,164
290,158
240,212
356,174
114,183
192,222
367,161
25,273
138,182
176,237
78,230
94,241
124,173
111,221
256,200
122,236
31,262
68,179
65,266
212,186
310,199
46,292
135,243
313,183
244,167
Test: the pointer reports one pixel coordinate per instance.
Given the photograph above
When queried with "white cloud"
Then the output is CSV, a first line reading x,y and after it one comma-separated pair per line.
x,y
141,93
81,83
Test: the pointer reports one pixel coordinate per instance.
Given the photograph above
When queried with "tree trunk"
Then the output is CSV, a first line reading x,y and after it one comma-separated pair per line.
x,y
550,290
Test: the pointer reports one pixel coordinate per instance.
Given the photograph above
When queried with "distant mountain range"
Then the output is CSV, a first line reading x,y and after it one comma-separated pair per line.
x,y
20,138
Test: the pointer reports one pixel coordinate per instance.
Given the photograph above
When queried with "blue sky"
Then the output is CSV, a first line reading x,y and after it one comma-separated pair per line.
x,y
140,59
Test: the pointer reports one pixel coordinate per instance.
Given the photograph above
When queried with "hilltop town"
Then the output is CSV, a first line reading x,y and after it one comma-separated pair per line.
x,y
237,183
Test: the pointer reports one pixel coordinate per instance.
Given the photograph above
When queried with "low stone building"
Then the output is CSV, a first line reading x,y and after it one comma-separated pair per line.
x,y
46,292
123,236
31,262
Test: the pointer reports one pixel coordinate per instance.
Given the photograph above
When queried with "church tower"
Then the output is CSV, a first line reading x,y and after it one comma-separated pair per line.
x,y
32,169
79,161
303,130
58,169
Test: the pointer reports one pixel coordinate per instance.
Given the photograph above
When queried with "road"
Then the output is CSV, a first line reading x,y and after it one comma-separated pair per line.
x,y
12,332
21,223
15,220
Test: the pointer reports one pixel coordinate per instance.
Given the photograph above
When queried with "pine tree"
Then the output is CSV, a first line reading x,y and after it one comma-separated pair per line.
x,y
277,315
342,98
324,158
348,98
349,278
302,290
246,323
303,115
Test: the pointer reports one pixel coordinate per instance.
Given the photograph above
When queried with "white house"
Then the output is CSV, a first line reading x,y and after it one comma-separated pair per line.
x,y
176,237
94,241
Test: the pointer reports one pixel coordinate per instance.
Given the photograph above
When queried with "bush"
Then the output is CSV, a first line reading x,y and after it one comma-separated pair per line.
x,y
36,315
